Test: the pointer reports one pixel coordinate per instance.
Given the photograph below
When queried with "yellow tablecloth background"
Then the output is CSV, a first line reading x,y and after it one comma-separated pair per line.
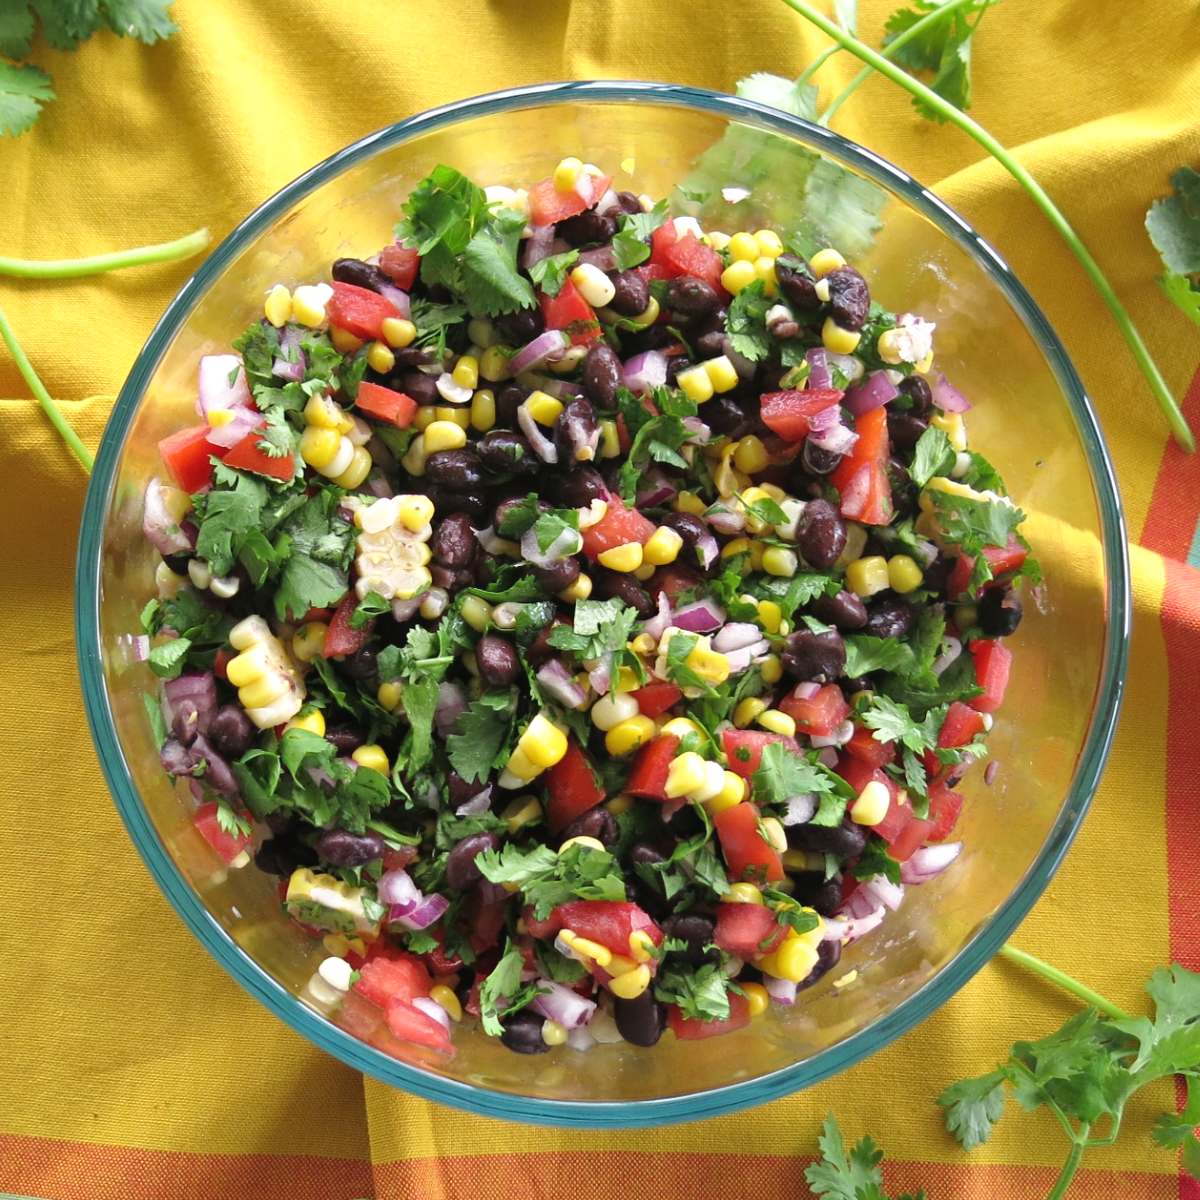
x,y
130,1065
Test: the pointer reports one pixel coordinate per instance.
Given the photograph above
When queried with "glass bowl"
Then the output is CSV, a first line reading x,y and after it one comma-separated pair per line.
x,y
1031,418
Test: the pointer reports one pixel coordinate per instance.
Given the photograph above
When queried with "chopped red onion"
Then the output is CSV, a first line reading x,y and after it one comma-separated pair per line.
x,y
396,887
550,344
924,551
489,539
607,203
657,625
697,430
828,757
537,245
405,610
707,550
644,372
377,485
782,991
162,531
562,389
423,914
853,368
558,684
398,299
669,809
860,903
736,635
882,890
838,438
732,966
839,737
451,703
929,861
819,374
557,1002
215,390
566,543
290,362
602,257
656,489
740,660
543,447
833,929
600,676
321,778
800,809
824,419
726,522
948,655
139,647
245,420
585,187
702,616
989,772
190,701
874,392
947,397
806,691
479,803
858,927
433,1010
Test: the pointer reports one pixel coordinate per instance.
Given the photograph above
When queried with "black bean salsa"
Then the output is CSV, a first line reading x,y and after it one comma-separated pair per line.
x,y
586,615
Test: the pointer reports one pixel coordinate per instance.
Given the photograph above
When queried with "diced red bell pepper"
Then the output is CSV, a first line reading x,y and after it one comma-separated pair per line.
x,y
656,697
485,919
359,310
548,206
993,661
747,930
689,1030
570,312
648,777
1002,560
410,1024
340,639
187,456
861,477
398,977
746,852
790,413
862,745
944,808
227,845
820,714
572,787
385,404
744,748
399,263
618,526
610,923
246,456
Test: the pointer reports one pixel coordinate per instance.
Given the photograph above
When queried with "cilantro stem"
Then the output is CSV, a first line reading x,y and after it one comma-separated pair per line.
x,y
98,264
1067,1174
1063,980
973,129
889,51
817,63
42,396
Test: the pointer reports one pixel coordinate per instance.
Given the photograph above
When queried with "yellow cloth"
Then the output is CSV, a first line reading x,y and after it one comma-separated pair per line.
x,y
131,1065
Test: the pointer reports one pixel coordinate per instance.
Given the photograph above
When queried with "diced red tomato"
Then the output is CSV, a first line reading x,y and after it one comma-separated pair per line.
x,y
358,1016
1001,559
820,714
227,845
648,778
385,404
618,526
861,477
744,748
858,774
910,839
653,272
993,661
960,725
246,456
572,788
438,960
747,930
672,255
944,808
187,457
661,240
862,745
673,580
340,639
790,413
544,929
747,854
548,206
400,858
692,1031
608,922
570,312
409,1024
399,263
220,662
384,979
359,310
656,697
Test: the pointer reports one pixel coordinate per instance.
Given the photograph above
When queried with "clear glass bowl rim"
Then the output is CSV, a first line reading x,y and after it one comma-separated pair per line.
x,y
613,1114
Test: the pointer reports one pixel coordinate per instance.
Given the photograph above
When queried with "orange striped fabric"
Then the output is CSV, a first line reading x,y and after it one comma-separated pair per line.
x,y
131,1068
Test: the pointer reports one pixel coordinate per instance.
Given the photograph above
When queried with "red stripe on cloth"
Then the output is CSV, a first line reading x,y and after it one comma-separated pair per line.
x,y
1175,505
50,1169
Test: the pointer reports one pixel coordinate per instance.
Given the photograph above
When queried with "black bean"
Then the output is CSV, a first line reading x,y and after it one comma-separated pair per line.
x,y
796,282
523,1033
814,657
522,326
461,869
580,487
345,738
179,562
815,891
631,295
916,396
557,576
509,398
820,534
725,416
654,337
846,840
845,610
692,530
937,574
905,429
645,854
602,375
231,731
746,370
282,854
505,452
576,433
420,387
627,202
889,616
587,229
451,578
363,665
685,823
341,848
459,790
817,460
598,823
497,658
999,612
829,954
649,899
453,542
691,297
695,929
708,345
361,274
640,1021
904,491
455,468
615,585
849,298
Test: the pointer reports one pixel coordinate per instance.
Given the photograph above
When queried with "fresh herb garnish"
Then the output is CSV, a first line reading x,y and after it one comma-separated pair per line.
x,y
784,773
550,273
1174,227
502,992
630,244
702,993
481,733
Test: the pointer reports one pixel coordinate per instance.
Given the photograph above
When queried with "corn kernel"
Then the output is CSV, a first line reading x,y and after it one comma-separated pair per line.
x,y
519,768
493,364
581,589
444,435
780,562
758,999
735,546
521,811
643,644
619,804
856,543
770,615
593,285
689,502
776,721
738,276
610,441
631,984
588,843
466,372
566,174
903,574
423,419
278,306
311,721
543,408
801,860
764,269
648,315
709,664
477,613
344,341
695,384
624,558
619,964
680,727
733,792
601,955
220,416
307,642
629,736
390,695
751,456
380,358
372,757
838,340
684,775
743,893
769,243
415,512
953,426
483,410
771,669
721,373
825,261
794,961
923,366
610,710
717,239
398,332
543,742
773,834
867,576
319,447
456,416
359,468
743,247
308,303
662,547
443,995
263,692
748,711
553,1034
872,804
626,681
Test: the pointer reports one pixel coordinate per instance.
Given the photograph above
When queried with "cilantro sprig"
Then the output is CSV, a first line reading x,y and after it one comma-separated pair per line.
x,y
1173,224
547,879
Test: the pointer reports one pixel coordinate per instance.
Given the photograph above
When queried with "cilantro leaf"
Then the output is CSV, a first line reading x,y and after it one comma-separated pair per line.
x,y
231,822
791,594
550,273
372,605
444,209
480,735
784,773
316,573
702,993
746,323
601,630
166,661
146,20
631,242
656,436
227,516
933,456
520,517
23,91
547,879
511,864
1183,293
491,283
551,525
678,671
432,322
1173,224
974,524
502,992
875,860
892,722
973,1106
154,714
839,1175
866,653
